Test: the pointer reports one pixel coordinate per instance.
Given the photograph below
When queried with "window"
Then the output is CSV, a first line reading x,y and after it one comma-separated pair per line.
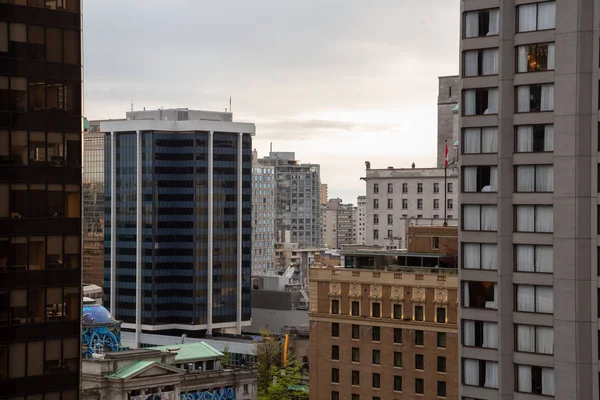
x,y
480,295
534,219
419,386
404,204
480,334
375,219
440,315
480,62
480,101
355,332
376,188
480,373
335,352
376,334
480,140
355,378
335,375
436,204
479,217
534,178
397,359
335,329
419,361
436,216
390,187
397,335
441,340
450,205
441,389
480,179
450,187
390,203
536,16
535,57
376,359
538,299
355,396
479,256
419,338
376,310
390,234
419,187
436,187
355,308
375,234
355,354
335,395
419,313
441,364
534,258
405,188
535,380
534,339
335,306
419,204
390,219
535,98
481,23
375,203
397,383
376,380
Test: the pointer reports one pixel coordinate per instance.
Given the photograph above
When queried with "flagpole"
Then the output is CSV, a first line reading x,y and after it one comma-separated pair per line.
x,y
446,184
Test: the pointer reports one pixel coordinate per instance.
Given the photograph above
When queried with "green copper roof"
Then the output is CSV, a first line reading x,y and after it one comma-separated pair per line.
x,y
131,369
456,107
191,351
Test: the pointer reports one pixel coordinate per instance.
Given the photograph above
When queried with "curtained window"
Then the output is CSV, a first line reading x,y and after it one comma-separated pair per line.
x,y
480,101
535,98
536,380
481,23
480,179
480,62
536,57
480,140
480,217
534,258
535,178
480,373
534,219
536,16
534,339
534,138
480,295
480,334
538,299
479,256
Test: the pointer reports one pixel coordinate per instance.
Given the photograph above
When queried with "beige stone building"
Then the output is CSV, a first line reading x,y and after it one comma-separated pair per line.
x,y
384,331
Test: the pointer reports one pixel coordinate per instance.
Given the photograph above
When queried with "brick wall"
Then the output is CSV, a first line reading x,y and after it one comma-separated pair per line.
x,y
420,239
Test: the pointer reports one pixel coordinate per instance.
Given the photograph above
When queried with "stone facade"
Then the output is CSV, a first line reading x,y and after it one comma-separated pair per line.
x,y
448,97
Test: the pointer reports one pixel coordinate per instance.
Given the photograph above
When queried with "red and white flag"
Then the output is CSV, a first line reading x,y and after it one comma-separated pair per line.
x,y
446,158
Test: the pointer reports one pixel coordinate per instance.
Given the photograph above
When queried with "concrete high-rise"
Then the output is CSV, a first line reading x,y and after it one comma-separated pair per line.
x,y
263,217
361,219
178,188
40,199
324,194
529,117
339,224
298,200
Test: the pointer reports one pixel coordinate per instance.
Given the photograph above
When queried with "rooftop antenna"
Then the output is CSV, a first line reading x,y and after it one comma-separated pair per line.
x,y
270,147
230,109
131,105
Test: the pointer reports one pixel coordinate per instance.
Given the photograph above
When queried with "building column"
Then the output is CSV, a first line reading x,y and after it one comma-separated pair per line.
x,y
240,163
139,242
113,224
210,250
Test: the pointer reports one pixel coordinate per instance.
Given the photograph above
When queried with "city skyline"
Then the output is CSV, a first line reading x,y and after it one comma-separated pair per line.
x,y
359,76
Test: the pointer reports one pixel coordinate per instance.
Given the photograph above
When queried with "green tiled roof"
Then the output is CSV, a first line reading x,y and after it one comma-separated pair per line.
x,y
191,351
131,369
456,107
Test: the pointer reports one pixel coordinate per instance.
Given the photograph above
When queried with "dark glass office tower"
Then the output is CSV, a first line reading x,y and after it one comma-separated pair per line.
x,y
178,221
40,199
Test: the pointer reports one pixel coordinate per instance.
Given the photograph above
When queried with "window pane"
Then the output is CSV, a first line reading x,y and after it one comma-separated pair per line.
x,y
17,360
54,45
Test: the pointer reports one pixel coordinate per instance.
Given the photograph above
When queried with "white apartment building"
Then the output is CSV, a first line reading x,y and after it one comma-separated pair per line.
x,y
339,224
397,198
263,217
360,221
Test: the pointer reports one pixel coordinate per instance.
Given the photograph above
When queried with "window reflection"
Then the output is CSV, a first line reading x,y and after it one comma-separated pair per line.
x,y
37,95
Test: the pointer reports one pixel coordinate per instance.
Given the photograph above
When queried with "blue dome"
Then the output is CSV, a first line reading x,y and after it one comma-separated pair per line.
x,y
95,314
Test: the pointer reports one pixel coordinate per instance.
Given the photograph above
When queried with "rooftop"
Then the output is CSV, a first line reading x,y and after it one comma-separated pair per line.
x,y
400,261
135,368
191,351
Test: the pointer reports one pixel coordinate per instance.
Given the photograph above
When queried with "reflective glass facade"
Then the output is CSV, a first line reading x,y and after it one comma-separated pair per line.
x,y
175,226
40,199
263,219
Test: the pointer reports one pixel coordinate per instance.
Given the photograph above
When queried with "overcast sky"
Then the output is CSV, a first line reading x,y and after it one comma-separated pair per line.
x,y
339,82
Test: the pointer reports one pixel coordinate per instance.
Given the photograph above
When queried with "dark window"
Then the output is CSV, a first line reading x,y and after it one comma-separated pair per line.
x,y
355,378
441,364
355,332
419,314
441,315
436,204
335,375
390,219
436,187
404,204
376,188
397,383
450,187
529,98
376,357
419,361
441,389
375,219
376,334
419,204
375,203
480,101
390,203
355,396
335,352
397,335
397,311
375,234
376,380
479,24
441,339
537,380
390,188
419,187
355,308
479,295
419,338
335,395
335,329
479,179
435,243
534,138
405,186
335,306
376,310
397,359
355,354
419,386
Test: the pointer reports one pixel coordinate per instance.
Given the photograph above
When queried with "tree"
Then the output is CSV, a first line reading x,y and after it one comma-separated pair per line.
x,y
286,381
226,356
268,355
